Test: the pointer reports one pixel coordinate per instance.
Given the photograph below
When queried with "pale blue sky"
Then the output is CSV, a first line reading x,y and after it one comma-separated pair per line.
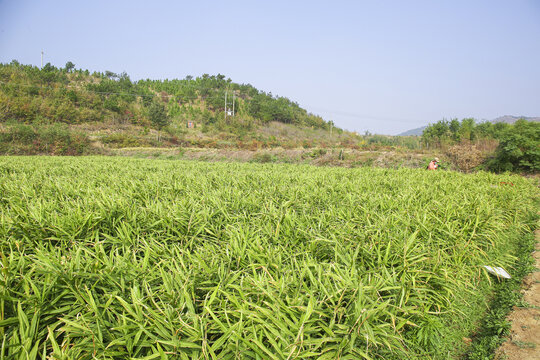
x,y
382,66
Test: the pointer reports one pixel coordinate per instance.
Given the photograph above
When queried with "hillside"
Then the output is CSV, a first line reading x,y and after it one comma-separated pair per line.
x,y
113,111
76,96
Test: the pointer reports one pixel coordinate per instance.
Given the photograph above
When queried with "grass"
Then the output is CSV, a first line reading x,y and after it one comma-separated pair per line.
x,y
133,258
506,295
525,344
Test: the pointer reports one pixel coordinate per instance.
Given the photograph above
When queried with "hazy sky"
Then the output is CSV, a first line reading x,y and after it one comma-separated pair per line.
x,y
382,66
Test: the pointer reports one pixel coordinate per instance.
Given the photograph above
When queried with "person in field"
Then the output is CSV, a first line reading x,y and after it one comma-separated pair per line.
x,y
433,164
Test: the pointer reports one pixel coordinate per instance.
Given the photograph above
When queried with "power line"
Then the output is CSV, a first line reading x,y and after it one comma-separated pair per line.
x,y
328,111
362,116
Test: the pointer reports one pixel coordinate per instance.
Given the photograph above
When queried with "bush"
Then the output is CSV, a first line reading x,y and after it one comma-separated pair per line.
x,y
122,140
466,156
54,139
264,158
317,153
20,132
518,148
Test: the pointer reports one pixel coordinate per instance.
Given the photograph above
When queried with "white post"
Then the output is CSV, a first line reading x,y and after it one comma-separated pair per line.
x,y
225,105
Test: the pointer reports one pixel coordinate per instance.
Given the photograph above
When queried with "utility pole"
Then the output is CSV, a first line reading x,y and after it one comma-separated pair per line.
x,y
233,103
225,105
41,59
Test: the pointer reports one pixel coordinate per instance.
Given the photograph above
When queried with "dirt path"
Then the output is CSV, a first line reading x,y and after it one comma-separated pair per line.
x,y
524,341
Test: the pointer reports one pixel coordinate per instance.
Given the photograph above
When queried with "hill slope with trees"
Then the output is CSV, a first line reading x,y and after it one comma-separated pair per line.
x,y
121,112
75,96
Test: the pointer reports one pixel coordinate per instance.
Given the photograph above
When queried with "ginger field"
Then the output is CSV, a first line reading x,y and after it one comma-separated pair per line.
x,y
118,258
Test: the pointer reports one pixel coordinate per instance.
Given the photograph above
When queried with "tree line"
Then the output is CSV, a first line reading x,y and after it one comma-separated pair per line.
x,y
454,131
518,144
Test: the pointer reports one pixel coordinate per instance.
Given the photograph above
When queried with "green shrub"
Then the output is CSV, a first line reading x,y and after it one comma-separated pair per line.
x,y
316,153
22,133
519,148
122,140
57,139
264,158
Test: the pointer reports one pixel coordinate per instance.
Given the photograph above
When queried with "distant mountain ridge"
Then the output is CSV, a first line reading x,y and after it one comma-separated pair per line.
x,y
509,119
413,132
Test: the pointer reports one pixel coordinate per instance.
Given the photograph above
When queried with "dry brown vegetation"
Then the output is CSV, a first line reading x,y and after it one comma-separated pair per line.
x,y
466,156
318,156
